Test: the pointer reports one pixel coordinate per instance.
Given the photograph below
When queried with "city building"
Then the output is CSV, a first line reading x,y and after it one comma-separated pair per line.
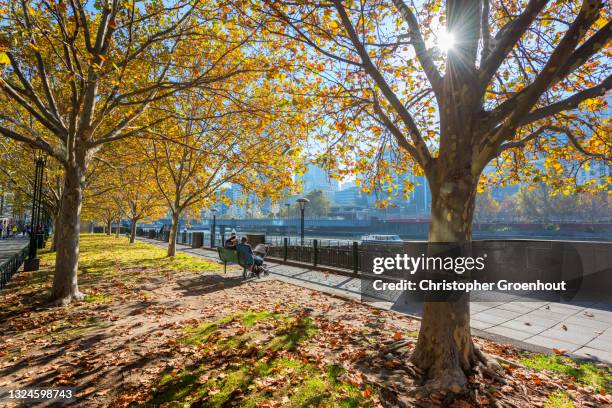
x,y
316,178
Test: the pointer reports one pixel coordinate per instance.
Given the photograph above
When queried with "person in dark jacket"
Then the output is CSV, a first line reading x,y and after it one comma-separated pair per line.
x,y
231,242
254,262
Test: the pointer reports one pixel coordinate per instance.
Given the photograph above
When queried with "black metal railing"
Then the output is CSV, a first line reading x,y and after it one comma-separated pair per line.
x,y
318,252
9,267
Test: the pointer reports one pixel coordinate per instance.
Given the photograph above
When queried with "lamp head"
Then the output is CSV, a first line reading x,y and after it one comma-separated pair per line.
x,y
302,201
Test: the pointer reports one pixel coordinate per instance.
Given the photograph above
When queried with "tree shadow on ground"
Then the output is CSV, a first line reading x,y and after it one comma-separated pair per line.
x,y
205,284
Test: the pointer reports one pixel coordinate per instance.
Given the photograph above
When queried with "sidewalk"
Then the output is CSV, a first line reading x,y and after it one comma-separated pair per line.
x,y
10,246
584,330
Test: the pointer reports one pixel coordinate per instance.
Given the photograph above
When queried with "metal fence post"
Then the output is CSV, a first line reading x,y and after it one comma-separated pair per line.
x,y
355,257
285,248
315,250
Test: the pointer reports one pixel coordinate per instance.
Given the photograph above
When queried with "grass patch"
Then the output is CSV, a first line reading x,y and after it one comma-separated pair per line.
x,y
249,318
584,372
65,331
292,332
231,375
99,298
202,332
559,399
104,257
412,334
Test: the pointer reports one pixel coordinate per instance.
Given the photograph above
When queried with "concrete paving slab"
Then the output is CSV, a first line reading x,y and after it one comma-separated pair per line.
x,y
600,344
531,328
573,334
521,307
591,353
551,343
478,307
509,332
548,315
600,314
478,324
508,314
583,321
487,317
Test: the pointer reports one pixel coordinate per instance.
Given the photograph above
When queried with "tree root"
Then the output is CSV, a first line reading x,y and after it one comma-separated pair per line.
x,y
488,361
65,301
448,380
397,345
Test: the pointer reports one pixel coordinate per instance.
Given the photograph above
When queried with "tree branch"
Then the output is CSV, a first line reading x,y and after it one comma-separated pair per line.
x,y
424,155
507,37
422,53
521,103
569,103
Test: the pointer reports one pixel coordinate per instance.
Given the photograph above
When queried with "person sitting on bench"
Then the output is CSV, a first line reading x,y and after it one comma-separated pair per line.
x,y
231,242
253,261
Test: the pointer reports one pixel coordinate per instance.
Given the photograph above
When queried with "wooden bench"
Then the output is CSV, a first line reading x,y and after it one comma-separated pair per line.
x,y
231,256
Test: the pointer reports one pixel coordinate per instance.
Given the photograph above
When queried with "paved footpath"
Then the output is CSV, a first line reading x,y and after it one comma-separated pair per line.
x,y
12,245
584,330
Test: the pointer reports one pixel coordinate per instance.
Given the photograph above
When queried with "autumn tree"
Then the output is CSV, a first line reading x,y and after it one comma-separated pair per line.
x,y
454,86
486,207
77,76
204,148
139,196
102,206
540,204
319,205
595,207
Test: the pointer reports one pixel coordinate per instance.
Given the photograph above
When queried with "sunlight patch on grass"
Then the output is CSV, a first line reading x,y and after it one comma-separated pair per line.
x,y
107,257
584,372
292,332
200,334
99,298
249,318
559,399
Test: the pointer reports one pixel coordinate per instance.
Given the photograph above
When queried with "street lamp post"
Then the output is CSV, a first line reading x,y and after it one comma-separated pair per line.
x,y
32,263
214,227
302,201
288,219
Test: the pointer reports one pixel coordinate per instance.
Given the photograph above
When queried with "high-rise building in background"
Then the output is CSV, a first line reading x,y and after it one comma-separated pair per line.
x,y
317,178
597,170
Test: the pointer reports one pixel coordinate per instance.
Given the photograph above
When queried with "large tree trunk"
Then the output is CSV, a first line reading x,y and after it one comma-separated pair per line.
x,y
54,236
133,231
109,224
445,351
118,228
65,287
173,232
